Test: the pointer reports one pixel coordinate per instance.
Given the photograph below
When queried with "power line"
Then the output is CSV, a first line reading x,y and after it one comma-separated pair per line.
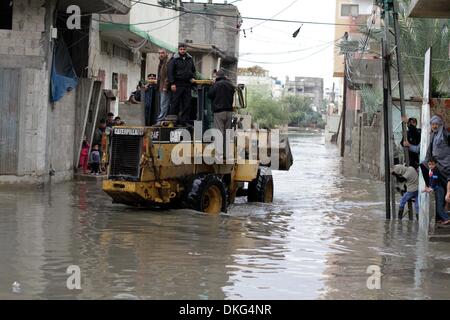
x,y
287,52
290,61
253,18
275,15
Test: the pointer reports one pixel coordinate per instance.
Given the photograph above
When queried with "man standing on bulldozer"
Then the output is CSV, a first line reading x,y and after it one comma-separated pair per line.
x,y
181,72
222,97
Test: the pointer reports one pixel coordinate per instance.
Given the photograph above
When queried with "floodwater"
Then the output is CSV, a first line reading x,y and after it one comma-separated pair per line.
x,y
316,241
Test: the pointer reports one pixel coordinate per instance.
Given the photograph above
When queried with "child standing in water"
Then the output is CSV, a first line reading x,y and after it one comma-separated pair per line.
x,y
84,156
95,160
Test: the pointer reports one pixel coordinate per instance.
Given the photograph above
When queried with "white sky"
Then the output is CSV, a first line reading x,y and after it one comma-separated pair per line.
x,y
277,37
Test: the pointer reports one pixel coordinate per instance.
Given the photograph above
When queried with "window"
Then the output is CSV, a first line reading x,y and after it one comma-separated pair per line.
x,y
123,90
6,12
115,81
104,47
123,53
349,10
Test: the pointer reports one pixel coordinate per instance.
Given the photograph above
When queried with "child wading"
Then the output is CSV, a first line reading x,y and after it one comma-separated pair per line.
x,y
95,160
412,186
84,156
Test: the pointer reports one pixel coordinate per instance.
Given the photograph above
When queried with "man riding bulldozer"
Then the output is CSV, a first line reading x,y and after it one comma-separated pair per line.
x,y
196,164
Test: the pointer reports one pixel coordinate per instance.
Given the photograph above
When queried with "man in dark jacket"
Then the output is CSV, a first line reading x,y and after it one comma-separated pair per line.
x,y
181,72
222,96
414,136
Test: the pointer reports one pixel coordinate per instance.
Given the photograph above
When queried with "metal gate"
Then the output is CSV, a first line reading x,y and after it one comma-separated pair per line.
x,y
9,120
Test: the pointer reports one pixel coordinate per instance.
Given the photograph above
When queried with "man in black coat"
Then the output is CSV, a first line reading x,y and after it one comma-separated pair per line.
x,y
414,136
222,96
181,73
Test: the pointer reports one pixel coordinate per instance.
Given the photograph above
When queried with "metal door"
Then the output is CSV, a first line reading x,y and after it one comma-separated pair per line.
x,y
9,120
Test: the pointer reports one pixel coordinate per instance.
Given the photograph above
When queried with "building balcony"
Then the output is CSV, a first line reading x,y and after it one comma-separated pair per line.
x,y
98,6
430,9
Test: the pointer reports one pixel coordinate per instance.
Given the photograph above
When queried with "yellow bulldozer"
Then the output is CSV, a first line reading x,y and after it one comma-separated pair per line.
x,y
164,165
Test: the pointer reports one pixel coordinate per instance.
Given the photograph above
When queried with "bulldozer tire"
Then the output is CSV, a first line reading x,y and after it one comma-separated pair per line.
x,y
207,194
260,189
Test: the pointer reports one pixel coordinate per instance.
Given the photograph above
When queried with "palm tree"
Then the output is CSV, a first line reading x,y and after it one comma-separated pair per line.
x,y
417,35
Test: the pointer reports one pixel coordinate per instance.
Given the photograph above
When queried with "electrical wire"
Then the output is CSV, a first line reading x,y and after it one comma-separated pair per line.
x,y
254,18
290,61
285,52
275,15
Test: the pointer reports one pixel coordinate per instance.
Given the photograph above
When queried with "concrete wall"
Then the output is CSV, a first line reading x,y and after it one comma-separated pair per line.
x,y
217,31
46,130
221,32
61,128
367,148
25,48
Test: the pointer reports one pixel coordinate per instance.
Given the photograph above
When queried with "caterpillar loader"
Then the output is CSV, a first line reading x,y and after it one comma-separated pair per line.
x,y
142,171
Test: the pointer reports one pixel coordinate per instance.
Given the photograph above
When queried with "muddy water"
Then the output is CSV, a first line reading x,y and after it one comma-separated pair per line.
x,y
316,241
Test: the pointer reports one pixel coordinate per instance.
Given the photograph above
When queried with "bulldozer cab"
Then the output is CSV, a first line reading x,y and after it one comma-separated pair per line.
x,y
201,104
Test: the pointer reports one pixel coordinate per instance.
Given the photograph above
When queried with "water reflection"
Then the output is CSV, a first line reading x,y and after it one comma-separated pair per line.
x,y
325,227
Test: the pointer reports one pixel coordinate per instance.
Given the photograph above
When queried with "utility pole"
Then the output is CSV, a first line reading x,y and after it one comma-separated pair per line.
x,y
344,102
387,131
392,30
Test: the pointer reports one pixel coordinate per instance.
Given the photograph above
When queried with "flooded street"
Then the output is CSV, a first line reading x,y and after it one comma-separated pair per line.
x,y
316,241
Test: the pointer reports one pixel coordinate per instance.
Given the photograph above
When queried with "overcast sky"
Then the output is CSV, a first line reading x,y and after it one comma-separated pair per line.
x,y
272,37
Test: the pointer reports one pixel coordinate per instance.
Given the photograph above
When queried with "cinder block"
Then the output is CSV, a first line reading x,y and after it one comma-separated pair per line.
x,y
32,51
19,50
40,27
3,50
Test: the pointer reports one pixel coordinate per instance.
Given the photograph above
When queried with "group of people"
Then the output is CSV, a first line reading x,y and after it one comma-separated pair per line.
x,y
174,84
435,168
91,158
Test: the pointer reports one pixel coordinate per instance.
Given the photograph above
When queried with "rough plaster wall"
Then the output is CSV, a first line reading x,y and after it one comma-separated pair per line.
x,y
62,134
218,31
22,48
33,124
45,136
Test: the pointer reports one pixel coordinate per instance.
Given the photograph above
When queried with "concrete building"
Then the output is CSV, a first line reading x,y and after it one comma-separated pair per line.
x,y
40,139
124,48
213,41
306,87
257,78
363,68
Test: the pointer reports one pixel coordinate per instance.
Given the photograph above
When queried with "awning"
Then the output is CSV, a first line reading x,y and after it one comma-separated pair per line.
x,y
127,31
430,9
